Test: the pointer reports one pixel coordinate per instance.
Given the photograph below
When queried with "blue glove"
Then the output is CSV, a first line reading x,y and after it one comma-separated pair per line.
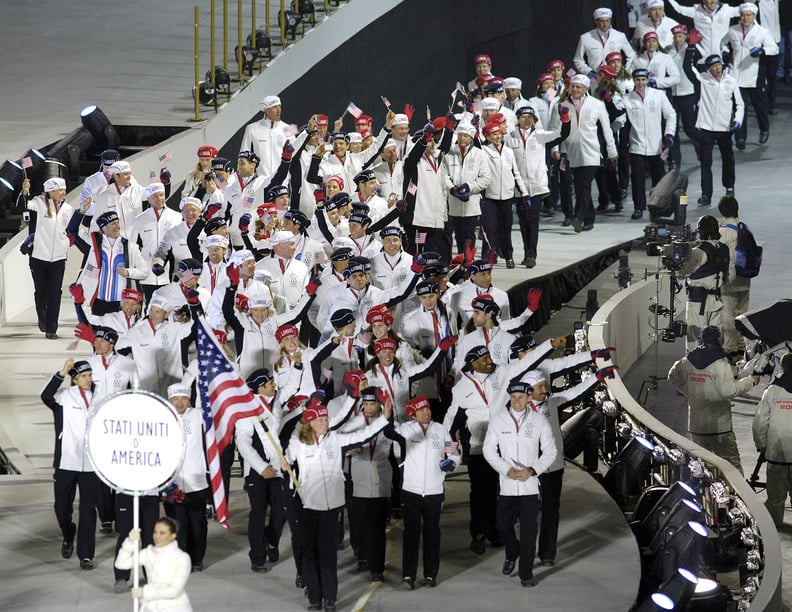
x,y
727,57
757,52
464,189
653,83
735,125
244,223
603,353
668,141
592,75
165,176
158,269
630,7
447,465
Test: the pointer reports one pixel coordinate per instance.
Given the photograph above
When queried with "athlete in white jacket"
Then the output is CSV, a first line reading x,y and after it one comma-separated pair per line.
x,y
595,44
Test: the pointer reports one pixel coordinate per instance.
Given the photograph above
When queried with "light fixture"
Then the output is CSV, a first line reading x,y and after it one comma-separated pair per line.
x,y
262,43
250,56
657,601
649,524
221,81
624,479
683,512
97,123
680,586
708,596
207,94
683,549
581,433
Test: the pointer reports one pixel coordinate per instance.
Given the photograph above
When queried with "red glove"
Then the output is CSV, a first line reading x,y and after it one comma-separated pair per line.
x,y
409,109
84,331
608,372
319,196
447,342
534,298
603,353
212,210
457,261
172,494
470,252
382,395
694,38
563,112
401,206
77,294
221,336
288,151
232,272
165,176
351,382
242,302
313,284
191,295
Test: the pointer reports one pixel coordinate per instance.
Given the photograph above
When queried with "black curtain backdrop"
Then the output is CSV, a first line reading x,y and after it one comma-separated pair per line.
x,y
416,53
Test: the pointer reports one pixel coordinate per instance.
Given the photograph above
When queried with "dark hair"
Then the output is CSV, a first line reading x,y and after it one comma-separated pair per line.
x,y
172,526
728,207
786,362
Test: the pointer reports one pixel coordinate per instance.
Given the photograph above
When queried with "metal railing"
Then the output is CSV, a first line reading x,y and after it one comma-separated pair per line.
x,y
289,19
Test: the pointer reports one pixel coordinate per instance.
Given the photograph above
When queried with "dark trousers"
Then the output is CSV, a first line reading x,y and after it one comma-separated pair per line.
x,y
147,291
101,307
496,221
758,98
370,519
190,516
608,189
639,164
226,461
66,483
724,142
149,514
320,558
263,493
510,509
464,229
528,215
106,504
551,503
483,497
421,514
584,205
293,506
686,108
553,172
428,239
771,63
566,187
47,281
623,166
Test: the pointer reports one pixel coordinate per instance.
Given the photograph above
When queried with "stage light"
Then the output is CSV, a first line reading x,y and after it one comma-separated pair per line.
x,y
97,123
206,92
624,479
12,174
682,513
262,44
658,514
581,434
657,601
222,80
708,596
683,549
250,56
680,586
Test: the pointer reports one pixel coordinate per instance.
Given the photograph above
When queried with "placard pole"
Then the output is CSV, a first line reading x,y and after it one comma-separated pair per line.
x,y
136,557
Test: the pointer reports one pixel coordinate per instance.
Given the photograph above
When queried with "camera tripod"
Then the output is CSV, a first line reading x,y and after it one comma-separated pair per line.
x,y
668,334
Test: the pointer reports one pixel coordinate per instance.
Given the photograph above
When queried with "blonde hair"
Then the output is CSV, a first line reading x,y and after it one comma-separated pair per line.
x,y
306,435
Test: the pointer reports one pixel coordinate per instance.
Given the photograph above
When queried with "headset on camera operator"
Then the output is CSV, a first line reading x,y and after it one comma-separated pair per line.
x,y
707,270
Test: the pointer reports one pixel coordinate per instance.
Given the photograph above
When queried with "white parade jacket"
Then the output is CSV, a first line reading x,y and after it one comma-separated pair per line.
x,y
711,26
592,49
50,242
167,571
473,169
507,445
646,113
582,145
746,68
425,451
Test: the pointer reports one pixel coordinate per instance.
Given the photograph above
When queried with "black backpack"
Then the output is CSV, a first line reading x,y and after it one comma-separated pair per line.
x,y
748,254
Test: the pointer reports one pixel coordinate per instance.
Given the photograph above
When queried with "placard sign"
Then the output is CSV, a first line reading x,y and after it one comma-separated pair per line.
x,y
135,441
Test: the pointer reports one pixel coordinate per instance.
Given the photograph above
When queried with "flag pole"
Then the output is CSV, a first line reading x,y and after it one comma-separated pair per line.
x,y
278,450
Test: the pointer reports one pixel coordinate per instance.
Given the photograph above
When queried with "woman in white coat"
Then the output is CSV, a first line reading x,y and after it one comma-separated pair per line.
x,y
167,569
48,253
318,452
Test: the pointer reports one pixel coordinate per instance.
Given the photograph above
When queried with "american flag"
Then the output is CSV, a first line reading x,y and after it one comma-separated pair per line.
x,y
27,162
165,157
420,237
450,447
412,188
225,398
458,89
353,110
386,102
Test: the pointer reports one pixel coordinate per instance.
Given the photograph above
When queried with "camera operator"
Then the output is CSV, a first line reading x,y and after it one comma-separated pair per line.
x,y
707,270
705,378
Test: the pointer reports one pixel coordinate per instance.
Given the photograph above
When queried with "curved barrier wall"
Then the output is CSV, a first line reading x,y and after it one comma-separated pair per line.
x,y
622,322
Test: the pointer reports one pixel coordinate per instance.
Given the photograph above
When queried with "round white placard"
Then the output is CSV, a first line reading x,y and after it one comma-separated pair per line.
x,y
135,441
